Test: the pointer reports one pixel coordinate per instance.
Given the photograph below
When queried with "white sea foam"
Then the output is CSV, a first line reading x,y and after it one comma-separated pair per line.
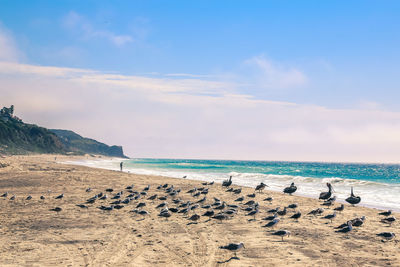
x,y
373,194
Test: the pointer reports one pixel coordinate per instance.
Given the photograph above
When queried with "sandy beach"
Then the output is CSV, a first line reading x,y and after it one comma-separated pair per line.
x,y
32,235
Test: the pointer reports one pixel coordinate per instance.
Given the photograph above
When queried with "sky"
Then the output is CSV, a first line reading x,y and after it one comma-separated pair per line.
x,y
259,80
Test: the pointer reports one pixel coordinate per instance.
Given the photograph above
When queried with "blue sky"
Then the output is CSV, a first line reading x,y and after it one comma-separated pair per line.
x,y
335,55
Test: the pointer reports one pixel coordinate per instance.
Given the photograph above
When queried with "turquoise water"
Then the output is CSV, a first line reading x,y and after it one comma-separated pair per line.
x,y
385,173
377,184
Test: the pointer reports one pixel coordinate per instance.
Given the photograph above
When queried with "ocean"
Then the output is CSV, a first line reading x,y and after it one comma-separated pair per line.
x,y
378,185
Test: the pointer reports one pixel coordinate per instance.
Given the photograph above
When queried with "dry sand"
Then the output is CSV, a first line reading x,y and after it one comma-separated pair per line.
x,y
31,235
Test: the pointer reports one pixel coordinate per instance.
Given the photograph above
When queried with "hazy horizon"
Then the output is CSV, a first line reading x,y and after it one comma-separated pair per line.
x,y
273,81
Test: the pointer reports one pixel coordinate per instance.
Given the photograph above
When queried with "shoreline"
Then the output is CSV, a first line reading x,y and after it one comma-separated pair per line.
x,y
380,207
31,234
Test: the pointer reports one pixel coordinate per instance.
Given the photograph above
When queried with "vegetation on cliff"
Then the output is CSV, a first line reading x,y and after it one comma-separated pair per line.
x,y
17,137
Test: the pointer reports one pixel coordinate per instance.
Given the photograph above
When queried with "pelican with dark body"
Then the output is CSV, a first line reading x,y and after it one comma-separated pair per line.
x,y
261,187
227,183
352,199
290,190
326,195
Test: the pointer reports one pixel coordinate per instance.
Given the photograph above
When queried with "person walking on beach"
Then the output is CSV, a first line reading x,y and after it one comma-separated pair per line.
x,y
120,165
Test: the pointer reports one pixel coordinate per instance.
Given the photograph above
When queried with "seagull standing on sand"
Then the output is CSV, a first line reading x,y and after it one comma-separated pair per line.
x,y
282,233
352,199
347,229
56,209
386,213
387,235
330,216
340,208
296,216
272,223
233,247
389,220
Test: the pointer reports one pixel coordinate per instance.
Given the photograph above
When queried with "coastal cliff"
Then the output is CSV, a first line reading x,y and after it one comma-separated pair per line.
x,y
17,137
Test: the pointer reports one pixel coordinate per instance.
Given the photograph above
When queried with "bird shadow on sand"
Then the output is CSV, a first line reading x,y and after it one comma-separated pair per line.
x,y
228,260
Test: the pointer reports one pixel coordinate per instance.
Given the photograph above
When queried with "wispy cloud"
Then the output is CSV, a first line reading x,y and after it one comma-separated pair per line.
x,y
8,48
274,75
74,21
194,117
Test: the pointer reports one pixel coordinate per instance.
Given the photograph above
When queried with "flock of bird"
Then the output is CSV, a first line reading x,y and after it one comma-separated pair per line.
x,y
167,201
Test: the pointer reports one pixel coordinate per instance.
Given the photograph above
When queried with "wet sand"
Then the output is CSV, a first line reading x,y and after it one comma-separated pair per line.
x,y
32,235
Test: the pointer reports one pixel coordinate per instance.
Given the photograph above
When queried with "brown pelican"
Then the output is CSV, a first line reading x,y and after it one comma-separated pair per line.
x,y
326,195
290,190
387,235
352,199
260,187
233,247
227,183
282,233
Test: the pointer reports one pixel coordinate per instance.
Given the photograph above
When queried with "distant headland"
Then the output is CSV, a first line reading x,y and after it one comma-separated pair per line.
x,y
17,137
